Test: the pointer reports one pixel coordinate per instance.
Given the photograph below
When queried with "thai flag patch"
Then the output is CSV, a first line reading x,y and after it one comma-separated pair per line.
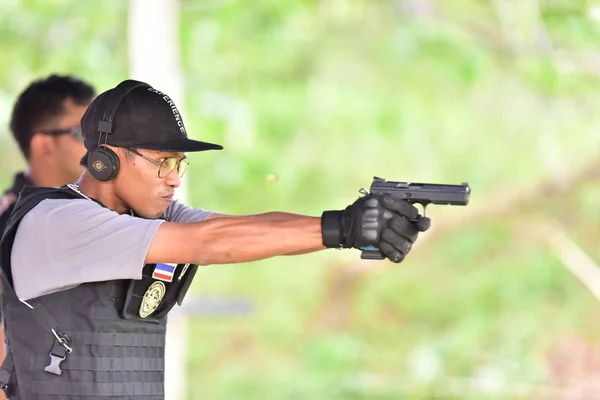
x,y
164,272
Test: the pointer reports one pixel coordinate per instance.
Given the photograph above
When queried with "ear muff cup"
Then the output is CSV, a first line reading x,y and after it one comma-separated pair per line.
x,y
103,163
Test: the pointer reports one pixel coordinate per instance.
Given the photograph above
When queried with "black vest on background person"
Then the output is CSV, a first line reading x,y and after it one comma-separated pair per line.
x,y
10,196
95,341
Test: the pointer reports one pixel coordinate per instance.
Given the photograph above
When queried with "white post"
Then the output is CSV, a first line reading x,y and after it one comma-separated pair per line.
x,y
154,58
154,55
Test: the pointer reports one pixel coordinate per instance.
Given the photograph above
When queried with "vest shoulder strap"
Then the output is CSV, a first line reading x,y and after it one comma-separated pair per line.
x,y
27,200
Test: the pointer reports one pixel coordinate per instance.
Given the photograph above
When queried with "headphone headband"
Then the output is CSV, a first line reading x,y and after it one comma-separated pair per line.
x,y
106,124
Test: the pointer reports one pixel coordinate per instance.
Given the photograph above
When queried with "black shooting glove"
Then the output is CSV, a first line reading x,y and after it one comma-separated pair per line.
x,y
374,220
359,225
402,229
362,223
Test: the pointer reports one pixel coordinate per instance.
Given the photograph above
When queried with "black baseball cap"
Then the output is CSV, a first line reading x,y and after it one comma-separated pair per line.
x,y
134,114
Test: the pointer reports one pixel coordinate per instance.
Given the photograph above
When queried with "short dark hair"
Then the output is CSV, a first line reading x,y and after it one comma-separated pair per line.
x,y
42,100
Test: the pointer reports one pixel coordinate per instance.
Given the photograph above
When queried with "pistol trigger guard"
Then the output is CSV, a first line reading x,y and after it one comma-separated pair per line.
x,y
424,210
364,191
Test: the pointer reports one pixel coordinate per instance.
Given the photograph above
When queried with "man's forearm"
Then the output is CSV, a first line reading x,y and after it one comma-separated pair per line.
x,y
244,239
270,216
231,239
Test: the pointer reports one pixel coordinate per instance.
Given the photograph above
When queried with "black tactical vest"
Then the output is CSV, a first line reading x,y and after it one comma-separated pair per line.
x,y
96,341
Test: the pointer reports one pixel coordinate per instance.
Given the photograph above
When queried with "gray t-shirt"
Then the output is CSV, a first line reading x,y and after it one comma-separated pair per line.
x,y
61,244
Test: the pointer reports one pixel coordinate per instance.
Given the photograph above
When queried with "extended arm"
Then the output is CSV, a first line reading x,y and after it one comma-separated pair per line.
x,y
226,239
230,239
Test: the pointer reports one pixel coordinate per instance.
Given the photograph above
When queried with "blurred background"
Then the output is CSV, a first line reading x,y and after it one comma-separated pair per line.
x,y
311,99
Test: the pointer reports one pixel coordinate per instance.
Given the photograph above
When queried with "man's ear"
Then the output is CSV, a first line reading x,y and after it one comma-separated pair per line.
x,y
41,145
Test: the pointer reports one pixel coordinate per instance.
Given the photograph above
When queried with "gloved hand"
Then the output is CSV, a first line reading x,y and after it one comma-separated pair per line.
x,y
402,229
374,220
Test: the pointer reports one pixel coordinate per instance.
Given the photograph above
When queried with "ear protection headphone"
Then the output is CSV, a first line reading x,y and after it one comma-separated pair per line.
x,y
103,162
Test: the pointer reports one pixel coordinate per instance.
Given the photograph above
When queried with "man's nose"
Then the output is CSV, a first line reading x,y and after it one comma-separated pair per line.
x,y
173,178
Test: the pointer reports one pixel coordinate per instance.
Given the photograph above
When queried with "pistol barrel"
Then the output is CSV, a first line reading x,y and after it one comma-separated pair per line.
x,y
423,193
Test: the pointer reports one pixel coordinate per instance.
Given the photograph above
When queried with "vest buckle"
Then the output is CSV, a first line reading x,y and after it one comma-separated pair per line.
x,y
59,353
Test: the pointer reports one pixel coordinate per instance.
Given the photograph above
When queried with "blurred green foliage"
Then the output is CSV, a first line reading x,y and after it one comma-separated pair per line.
x,y
325,95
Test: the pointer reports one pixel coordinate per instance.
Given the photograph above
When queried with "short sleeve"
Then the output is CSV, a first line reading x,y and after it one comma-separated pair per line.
x,y
179,212
63,243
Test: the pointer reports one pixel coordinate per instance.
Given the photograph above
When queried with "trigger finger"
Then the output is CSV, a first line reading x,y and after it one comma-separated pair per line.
x,y
422,223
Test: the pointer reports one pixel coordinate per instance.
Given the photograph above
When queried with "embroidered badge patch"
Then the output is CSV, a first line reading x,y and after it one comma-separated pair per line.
x,y
164,272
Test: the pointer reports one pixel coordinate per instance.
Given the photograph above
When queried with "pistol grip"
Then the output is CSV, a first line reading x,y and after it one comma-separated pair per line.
x,y
371,253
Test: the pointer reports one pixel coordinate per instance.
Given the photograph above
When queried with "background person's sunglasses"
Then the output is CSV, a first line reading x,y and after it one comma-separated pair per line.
x,y
74,131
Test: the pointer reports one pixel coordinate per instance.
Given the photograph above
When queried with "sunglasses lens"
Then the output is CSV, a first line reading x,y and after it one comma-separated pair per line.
x,y
183,166
167,166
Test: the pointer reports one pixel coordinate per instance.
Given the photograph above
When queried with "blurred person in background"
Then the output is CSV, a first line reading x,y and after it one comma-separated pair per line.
x,y
91,270
46,124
